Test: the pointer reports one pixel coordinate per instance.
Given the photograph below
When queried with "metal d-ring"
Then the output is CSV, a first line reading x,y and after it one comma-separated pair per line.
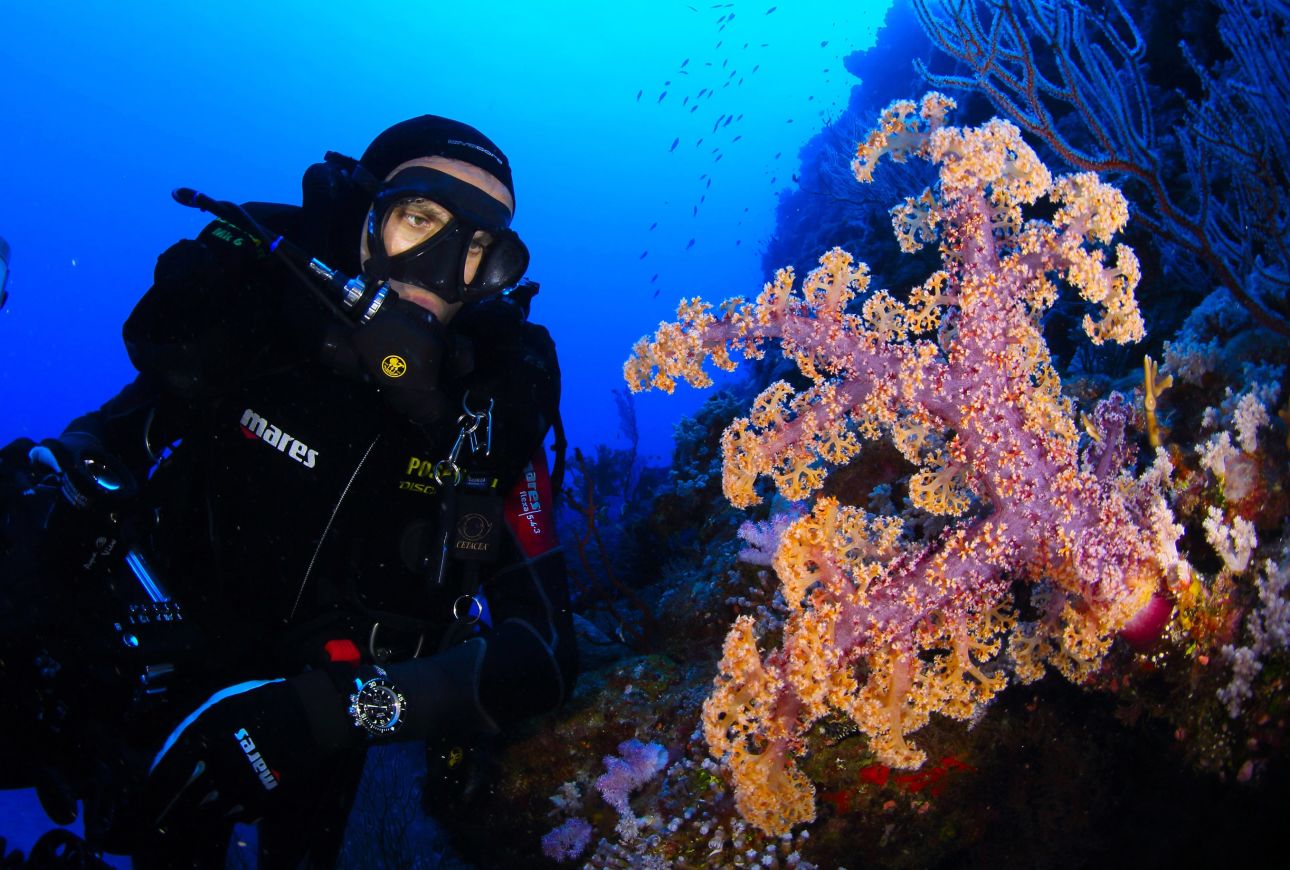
x,y
475,605
381,654
445,470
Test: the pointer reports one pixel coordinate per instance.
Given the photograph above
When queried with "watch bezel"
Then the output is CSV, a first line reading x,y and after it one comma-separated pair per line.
x,y
360,702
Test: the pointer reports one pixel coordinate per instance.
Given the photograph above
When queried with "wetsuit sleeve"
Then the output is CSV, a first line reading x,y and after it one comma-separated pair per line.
x,y
188,336
209,311
527,663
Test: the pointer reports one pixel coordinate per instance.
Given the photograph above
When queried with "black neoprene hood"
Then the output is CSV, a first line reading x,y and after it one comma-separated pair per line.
x,y
435,136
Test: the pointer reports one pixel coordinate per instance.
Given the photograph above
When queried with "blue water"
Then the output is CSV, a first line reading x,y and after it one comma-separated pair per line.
x,y
104,107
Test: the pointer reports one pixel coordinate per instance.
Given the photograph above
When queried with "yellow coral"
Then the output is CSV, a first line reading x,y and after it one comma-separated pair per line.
x,y
938,491
770,792
1028,652
890,705
915,222
885,316
903,129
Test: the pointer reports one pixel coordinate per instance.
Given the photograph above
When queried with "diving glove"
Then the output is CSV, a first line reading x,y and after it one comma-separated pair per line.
x,y
236,756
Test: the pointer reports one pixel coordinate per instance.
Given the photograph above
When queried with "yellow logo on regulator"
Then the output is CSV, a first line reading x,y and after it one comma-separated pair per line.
x,y
394,366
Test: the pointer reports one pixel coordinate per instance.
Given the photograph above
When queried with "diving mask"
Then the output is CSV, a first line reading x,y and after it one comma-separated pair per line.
x,y
425,227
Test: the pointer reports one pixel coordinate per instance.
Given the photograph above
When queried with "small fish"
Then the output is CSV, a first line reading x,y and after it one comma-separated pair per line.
x,y
702,91
696,212
638,94
661,96
777,153
737,138
692,108
770,10
739,117
675,142
709,182
732,17
738,242
652,280
702,198
684,62
721,19
789,121
655,296
718,160
728,120
724,62
700,142
756,67
686,100
824,43
644,254
690,245
719,43
651,226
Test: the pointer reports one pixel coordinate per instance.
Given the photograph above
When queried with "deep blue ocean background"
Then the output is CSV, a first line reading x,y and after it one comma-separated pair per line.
x,y
106,107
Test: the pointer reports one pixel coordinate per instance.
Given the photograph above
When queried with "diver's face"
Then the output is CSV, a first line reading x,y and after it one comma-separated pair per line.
x,y
413,221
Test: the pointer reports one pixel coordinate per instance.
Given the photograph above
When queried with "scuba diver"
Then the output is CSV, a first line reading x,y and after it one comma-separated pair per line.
x,y
319,519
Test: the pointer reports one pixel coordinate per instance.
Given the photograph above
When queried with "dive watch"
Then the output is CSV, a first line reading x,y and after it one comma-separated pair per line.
x,y
377,705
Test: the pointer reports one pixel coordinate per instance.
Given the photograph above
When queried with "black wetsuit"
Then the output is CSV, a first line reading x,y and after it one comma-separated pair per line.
x,y
298,518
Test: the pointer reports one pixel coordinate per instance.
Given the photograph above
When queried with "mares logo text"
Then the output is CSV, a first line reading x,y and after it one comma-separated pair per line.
x,y
255,426
267,777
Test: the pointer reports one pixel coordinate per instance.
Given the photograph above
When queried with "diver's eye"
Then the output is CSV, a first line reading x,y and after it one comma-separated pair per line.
x,y
411,222
419,217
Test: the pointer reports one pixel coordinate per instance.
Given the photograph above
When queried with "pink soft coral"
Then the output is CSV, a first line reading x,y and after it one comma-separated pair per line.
x,y
959,379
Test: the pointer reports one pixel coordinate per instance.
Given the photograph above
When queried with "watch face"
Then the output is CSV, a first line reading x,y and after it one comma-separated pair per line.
x,y
377,707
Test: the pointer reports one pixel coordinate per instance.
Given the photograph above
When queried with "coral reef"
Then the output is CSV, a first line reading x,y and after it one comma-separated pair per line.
x,y
1170,748
1057,67
883,629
